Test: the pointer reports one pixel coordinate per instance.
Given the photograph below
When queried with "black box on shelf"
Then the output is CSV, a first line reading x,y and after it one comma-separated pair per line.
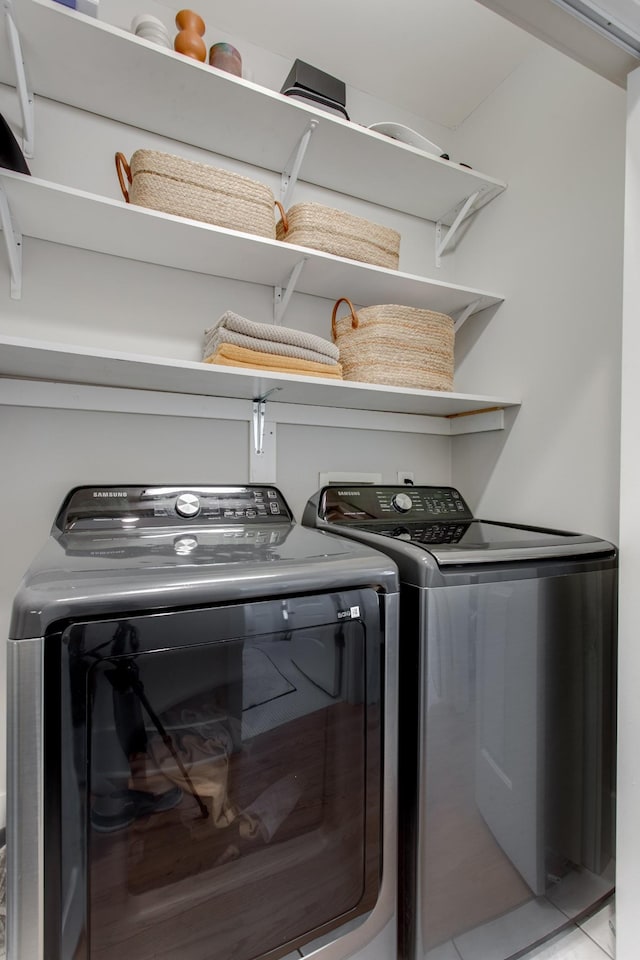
x,y
305,77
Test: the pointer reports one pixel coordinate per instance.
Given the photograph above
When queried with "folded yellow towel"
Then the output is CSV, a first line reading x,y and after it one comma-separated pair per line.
x,y
229,355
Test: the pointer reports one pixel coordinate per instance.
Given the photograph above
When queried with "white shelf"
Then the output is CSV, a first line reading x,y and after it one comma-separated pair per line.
x,y
104,70
64,215
99,68
37,360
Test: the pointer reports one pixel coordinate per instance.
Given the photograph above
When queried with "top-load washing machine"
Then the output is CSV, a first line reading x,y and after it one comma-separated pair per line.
x,y
507,732
202,734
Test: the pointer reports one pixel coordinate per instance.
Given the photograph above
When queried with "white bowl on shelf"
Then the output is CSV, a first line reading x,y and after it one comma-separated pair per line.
x,y
146,20
158,43
157,38
148,28
398,131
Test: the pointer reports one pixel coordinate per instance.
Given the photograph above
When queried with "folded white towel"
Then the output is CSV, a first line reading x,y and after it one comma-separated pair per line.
x,y
274,333
222,335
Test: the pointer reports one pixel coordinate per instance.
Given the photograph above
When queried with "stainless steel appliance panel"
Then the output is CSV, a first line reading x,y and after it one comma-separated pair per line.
x,y
515,753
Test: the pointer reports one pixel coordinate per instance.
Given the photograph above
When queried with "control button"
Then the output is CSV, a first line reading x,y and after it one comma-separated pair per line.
x,y
402,502
272,494
401,533
274,508
188,505
251,514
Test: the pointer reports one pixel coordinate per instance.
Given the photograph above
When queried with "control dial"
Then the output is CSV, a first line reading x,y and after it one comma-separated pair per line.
x,y
183,546
401,502
401,533
187,505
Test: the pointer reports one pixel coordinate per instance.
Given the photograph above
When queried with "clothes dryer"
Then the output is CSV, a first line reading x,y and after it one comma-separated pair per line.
x,y
202,734
507,706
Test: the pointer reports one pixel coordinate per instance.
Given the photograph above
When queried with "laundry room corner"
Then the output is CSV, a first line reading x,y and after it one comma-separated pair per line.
x,y
259,481
553,241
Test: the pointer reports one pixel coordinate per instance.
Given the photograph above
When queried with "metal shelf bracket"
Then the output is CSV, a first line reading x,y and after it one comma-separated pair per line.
x,y
466,313
259,412
442,242
258,417
262,451
292,167
282,296
13,243
24,93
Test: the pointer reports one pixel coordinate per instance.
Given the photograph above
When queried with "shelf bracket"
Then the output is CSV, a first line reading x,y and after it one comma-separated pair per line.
x,y
281,296
466,313
259,413
292,167
258,417
262,449
24,94
13,243
442,242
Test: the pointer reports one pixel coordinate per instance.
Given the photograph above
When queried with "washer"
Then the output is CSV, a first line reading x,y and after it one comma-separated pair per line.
x,y
507,731
202,734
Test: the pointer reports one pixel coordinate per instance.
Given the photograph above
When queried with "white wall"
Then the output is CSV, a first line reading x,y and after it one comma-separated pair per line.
x,y
553,244
629,649
270,69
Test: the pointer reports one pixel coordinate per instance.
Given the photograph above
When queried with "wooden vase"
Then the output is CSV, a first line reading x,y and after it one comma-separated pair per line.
x,y
189,40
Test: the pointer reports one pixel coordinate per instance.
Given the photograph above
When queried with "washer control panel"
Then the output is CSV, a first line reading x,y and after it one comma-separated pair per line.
x,y
135,508
363,504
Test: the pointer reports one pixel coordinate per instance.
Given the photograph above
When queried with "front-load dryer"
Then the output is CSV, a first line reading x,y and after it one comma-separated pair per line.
x,y
507,745
202,734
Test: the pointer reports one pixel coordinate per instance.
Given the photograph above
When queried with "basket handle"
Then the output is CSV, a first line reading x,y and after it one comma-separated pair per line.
x,y
354,315
123,167
285,221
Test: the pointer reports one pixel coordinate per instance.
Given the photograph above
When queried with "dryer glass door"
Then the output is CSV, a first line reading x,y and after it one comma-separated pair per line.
x,y
213,780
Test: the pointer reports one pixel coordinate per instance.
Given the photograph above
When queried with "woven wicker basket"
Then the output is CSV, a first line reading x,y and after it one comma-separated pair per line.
x,y
395,345
185,188
334,231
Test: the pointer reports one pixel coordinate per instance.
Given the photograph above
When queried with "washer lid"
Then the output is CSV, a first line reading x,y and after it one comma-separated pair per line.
x,y
127,549
485,541
438,520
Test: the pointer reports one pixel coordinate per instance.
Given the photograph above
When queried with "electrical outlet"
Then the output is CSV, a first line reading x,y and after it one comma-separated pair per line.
x,y
405,476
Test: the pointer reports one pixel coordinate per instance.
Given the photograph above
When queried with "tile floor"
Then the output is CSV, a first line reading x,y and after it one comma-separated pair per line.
x,y
592,938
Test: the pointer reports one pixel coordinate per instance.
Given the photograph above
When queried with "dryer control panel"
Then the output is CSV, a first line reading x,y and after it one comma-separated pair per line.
x,y
136,507
362,504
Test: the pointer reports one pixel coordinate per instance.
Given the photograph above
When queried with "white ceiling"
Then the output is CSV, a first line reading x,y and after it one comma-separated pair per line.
x,y
438,59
